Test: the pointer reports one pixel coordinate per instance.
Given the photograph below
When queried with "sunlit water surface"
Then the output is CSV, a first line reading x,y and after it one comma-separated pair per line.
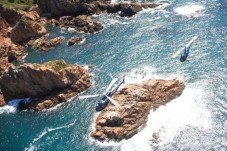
x,y
139,47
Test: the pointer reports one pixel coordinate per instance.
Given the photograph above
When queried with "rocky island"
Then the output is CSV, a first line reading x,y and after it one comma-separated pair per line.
x,y
134,104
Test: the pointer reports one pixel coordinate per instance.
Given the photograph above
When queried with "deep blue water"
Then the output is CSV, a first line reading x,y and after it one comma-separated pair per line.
x,y
138,47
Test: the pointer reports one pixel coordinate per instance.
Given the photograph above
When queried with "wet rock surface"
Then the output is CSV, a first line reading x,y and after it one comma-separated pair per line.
x,y
134,104
44,45
49,84
74,40
80,23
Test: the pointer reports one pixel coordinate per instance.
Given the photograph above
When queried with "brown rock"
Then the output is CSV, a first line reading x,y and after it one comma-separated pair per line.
x,y
25,30
50,83
45,45
135,102
3,27
74,40
10,15
80,23
2,101
128,10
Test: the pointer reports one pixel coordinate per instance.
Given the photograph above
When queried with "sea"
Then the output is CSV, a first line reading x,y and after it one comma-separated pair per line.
x,y
139,47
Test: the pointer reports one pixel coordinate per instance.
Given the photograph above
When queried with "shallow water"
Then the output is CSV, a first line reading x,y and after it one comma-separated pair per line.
x,y
139,47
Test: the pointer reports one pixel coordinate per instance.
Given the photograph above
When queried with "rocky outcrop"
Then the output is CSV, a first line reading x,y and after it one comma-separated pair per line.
x,y
4,26
27,29
134,104
10,15
80,23
74,40
45,45
128,10
50,83
16,27
2,101
58,8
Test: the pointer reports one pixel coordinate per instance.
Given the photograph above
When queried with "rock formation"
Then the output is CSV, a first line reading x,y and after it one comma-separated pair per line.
x,y
2,101
10,15
16,27
49,84
80,23
74,40
58,8
45,45
27,29
135,102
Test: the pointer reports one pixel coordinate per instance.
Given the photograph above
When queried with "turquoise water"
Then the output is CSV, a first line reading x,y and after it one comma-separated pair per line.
x,y
138,47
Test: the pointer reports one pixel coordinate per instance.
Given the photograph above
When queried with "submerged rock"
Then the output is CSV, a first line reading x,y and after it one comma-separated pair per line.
x,y
50,83
135,102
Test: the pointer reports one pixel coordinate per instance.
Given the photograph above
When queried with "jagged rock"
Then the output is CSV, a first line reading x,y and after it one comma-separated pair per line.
x,y
54,22
26,30
45,45
130,10
58,8
80,23
2,101
10,15
135,102
74,40
50,83
3,27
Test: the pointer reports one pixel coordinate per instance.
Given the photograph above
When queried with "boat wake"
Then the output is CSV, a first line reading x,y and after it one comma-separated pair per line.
x,y
32,145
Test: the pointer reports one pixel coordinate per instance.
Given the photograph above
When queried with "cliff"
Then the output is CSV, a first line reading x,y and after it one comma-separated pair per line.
x,y
47,84
134,104
58,8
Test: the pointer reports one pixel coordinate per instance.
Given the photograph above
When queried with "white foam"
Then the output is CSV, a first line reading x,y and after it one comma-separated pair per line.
x,y
141,74
168,121
190,10
13,105
187,111
7,109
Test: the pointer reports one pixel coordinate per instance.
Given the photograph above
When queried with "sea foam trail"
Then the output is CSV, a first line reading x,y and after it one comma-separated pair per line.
x,y
48,130
190,10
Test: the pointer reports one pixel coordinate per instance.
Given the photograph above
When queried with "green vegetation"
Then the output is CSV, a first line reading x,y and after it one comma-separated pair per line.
x,y
57,65
18,4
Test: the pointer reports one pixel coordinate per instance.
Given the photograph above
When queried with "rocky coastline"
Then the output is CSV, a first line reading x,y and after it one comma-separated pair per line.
x,y
54,82
45,84
134,104
19,29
